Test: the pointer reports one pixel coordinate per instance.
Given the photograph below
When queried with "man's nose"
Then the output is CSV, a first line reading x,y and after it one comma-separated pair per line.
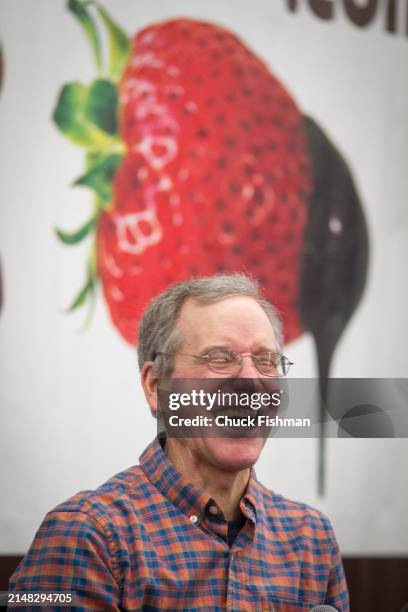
x,y
247,369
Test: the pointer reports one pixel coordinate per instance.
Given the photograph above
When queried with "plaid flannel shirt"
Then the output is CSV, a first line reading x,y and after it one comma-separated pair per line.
x,y
150,540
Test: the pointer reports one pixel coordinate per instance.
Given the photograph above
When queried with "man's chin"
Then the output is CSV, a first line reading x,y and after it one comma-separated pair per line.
x,y
235,454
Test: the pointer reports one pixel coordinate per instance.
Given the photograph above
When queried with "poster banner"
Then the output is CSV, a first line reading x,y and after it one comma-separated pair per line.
x,y
146,143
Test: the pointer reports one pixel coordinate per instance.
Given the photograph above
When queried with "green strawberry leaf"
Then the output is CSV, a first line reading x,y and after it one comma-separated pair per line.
x,y
102,104
86,291
99,176
119,45
93,157
81,12
78,235
85,119
71,118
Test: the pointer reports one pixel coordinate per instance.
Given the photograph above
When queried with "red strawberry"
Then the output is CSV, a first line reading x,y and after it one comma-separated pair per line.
x,y
208,158
215,176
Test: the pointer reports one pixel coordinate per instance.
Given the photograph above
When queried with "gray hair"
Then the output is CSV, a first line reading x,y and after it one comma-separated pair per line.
x,y
158,331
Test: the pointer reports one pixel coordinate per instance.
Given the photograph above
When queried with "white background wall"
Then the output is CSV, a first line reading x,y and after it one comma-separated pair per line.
x,y
72,412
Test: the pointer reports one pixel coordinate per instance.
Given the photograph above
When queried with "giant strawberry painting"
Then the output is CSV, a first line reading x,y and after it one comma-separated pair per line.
x,y
200,161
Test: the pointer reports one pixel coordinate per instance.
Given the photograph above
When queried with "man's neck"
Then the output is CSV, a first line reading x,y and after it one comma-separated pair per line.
x,y
226,488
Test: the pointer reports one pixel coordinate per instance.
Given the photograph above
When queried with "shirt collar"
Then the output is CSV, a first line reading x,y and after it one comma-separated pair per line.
x,y
175,487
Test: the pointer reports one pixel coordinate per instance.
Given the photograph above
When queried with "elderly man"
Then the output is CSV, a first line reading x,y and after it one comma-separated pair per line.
x,y
190,527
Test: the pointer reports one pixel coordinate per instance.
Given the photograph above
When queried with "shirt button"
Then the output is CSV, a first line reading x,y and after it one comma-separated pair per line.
x,y
213,510
193,518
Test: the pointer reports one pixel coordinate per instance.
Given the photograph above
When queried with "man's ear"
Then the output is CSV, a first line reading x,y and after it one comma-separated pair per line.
x,y
149,380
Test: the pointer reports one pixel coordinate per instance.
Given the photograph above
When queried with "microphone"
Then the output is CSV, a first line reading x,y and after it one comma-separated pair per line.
x,y
323,608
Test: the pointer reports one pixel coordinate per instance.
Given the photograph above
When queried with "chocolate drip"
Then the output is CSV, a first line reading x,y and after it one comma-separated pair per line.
x,y
335,259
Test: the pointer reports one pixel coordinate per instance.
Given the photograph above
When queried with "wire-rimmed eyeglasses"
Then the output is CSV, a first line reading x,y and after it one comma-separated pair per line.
x,y
227,361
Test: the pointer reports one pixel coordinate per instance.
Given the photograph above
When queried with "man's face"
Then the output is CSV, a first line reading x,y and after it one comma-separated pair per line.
x,y
240,324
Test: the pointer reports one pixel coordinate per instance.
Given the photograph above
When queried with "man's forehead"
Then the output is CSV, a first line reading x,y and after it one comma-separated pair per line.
x,y
220,322
194,308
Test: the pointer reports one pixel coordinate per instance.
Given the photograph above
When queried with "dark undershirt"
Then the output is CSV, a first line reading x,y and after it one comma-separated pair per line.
x,y
234,527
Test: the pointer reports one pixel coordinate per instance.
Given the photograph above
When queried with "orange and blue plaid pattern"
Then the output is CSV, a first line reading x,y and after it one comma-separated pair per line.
x,y
150,540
